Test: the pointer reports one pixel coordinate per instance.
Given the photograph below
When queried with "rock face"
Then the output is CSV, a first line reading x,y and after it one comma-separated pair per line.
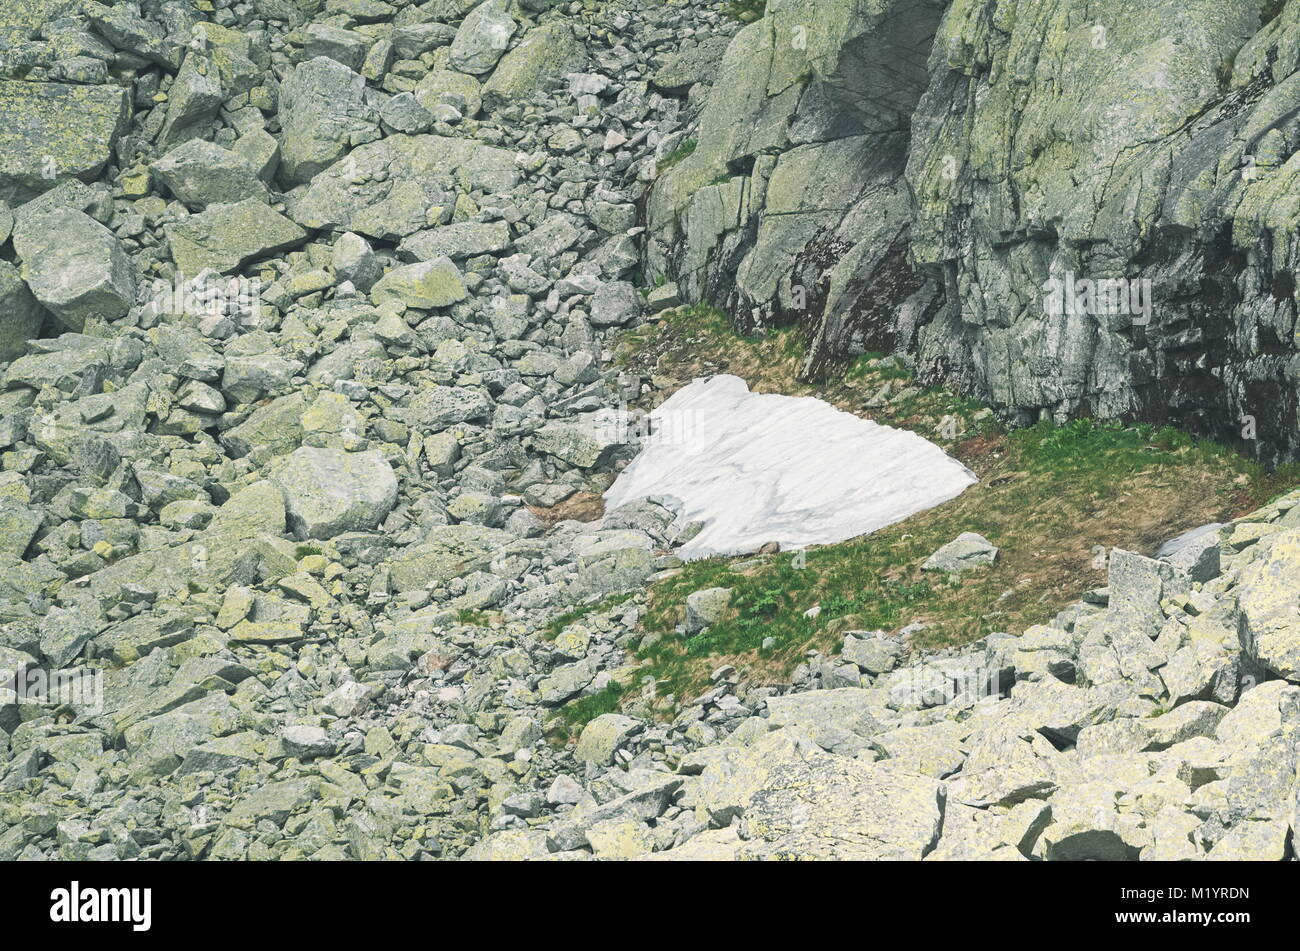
x,y
792,203
1216,135
1132,254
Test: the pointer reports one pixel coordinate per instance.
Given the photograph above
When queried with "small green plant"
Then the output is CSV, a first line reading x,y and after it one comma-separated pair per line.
x,y
578,713
746,11
683,151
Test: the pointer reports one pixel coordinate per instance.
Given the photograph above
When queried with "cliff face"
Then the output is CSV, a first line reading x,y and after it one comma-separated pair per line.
x,y
794,203
1071,208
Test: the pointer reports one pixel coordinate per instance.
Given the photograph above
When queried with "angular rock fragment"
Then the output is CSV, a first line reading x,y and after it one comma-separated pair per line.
x,y
329,491
226,236
50,132
75,267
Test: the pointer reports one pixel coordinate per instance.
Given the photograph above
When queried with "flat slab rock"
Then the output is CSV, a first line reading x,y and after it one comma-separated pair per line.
x,y
757,467
967,550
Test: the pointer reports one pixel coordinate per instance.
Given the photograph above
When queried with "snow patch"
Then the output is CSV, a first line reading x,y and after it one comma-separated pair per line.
x,y
757,467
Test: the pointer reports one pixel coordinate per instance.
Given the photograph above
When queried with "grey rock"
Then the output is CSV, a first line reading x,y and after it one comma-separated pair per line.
x,y
201,173
615,304
306,742
456,241
21,315
328,491
873,654
604,736
322,110
425,284
354,260
483,38
968,550
50,132
75,267
706,607
587,440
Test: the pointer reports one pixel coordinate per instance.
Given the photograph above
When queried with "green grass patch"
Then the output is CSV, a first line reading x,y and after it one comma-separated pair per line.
x,y
576,714
746,11
1055,499
1060,495
682,152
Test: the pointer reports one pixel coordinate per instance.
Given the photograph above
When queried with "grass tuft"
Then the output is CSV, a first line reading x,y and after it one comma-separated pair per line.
x,y
576,714
678,154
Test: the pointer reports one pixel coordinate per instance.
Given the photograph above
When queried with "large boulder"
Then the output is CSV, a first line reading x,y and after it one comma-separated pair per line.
x,y
399,185
547,54
193,101
425,285
586,440
448,87
322,110
483,38
615,304
450,551
839,719
604,736
74,266
1269,621
225,236
706,607
463,239
329,491
50,132
610,562
794,801
202,173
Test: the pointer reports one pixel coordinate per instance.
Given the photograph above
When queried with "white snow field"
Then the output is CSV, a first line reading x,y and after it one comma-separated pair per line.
x,y
757,467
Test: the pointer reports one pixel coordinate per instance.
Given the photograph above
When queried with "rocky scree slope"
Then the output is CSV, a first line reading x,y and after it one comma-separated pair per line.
x,y
912,174
303,309
1156,719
